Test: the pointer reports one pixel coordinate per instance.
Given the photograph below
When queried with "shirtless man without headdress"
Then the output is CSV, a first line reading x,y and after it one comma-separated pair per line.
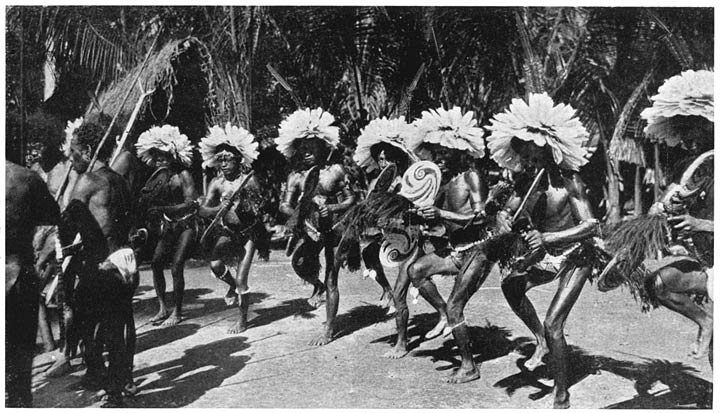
x,y
562,218
28,204
102,300
306,138
458,202
241,231
168,199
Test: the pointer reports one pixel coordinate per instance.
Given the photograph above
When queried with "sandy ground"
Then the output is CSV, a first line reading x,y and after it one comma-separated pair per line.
x,y
621,357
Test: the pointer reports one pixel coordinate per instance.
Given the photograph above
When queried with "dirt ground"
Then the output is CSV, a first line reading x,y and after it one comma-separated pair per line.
x,y
621,357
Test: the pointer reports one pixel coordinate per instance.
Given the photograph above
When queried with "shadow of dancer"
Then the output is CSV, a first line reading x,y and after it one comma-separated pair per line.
x,y
184,380
488,342
684,388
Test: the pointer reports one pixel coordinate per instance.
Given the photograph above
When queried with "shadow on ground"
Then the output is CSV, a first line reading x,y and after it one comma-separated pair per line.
x,y
161,336
358,318
683,388
297,307
488,342
418,325
179,382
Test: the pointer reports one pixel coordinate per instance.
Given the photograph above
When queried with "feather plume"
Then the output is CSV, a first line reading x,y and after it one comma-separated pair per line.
x,y
449,128
395,132
690,93
166,139
230,135
305,124
69,131
542,122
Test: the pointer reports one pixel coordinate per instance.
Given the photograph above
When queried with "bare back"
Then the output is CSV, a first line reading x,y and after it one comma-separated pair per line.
x,y
107,196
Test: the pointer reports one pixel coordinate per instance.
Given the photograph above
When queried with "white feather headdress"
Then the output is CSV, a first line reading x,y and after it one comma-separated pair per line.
x,y
688,94
542,122
449,128
167,139
230,135
72,125
395,132
305,124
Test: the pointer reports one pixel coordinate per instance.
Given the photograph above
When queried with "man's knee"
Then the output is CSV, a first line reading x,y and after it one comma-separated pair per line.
x,y
217,267
417,272
177,269
513,288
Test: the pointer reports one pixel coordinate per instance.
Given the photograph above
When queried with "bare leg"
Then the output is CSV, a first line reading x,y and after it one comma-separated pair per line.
x,y
241,283
178,268
514,288
571,284
403,313
372,263
222,273
420,272
673,288
306,264
158,264
466,284
333,298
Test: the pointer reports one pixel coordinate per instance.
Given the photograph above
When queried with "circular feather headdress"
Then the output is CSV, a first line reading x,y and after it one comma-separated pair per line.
x,y
306,124
211,146
543,123
688,94
449,128
72,125
167,139
395,132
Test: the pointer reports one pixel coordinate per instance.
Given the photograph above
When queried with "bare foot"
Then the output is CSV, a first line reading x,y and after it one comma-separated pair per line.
x,y
437,330
701,347
231,298
561,401
238,327
173,320
397,352
320,340
536,360
463,375
160,316
318,296
60,368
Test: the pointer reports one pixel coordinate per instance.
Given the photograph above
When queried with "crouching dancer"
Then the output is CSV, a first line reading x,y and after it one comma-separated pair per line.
x,y
538,136
27,205
454,140
168,198
235,203
105,266
682,282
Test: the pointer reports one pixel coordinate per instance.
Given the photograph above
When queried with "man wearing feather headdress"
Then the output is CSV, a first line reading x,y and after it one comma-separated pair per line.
x,y
168,199
235,192
533,136
453,140
316,193
382,144
683,114
102,300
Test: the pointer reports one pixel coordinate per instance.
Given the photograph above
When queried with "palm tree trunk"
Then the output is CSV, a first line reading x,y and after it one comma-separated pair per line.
x,y
613,191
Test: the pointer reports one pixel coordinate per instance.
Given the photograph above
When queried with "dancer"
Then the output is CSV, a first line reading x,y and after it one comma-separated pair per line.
x,y
308,140
168,198
454,140
235,202
682,114
382,144
534,136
